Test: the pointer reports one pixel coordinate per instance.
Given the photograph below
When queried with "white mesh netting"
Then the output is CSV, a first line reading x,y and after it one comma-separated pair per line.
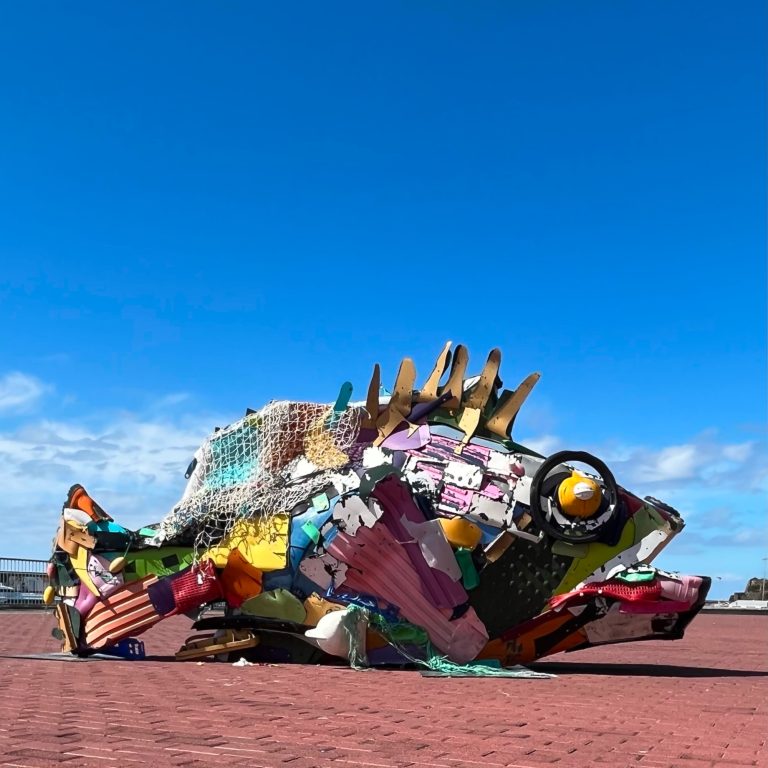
x,y
264,464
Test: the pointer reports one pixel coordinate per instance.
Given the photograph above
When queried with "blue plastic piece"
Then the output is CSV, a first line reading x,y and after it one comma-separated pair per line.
x,y
130,649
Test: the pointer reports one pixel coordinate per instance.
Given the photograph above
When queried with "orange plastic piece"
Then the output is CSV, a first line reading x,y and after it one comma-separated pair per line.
x,y
239,579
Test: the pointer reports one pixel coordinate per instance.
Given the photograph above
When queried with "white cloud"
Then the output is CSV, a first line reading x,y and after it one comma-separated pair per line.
x,y
676,462
19,391
132,464
544,444
738,452
704,462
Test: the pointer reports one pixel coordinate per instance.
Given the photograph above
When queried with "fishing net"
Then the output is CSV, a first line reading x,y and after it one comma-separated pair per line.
x,y
265,464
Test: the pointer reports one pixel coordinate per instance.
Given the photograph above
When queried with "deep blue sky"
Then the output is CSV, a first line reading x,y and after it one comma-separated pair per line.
x,y
204,206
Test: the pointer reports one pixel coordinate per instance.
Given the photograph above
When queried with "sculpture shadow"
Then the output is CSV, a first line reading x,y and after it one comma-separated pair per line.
x,y
638,670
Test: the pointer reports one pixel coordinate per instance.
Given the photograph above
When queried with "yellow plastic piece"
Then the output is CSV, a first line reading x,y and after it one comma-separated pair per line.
x,y
461,532
117,565
263,542
48,594
80,564
579,496
316,607
597,554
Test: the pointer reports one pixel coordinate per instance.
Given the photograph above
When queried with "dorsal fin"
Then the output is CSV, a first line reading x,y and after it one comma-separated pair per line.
x,y
400,402
501,421
476,399
429,390
455,383
372,401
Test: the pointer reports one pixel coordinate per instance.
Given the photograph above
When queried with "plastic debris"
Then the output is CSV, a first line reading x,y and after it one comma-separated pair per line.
x,y
407,529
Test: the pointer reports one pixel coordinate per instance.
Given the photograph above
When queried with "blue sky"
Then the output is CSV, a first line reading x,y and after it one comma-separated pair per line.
x,y
206,207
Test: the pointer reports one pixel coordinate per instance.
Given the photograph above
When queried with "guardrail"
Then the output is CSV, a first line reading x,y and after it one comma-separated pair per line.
x,y
22,582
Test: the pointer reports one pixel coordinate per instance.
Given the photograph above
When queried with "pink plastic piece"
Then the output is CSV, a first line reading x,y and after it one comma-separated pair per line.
x,y
379,566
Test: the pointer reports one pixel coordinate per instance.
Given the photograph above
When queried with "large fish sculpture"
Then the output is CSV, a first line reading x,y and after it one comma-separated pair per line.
x,y
409,528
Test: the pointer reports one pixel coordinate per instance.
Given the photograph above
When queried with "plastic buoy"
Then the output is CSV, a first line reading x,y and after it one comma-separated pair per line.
x,y
117,565
48,595
460,532
579,496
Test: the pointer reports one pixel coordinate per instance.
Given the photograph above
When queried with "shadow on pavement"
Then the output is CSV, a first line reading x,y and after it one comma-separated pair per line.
x,y
639,670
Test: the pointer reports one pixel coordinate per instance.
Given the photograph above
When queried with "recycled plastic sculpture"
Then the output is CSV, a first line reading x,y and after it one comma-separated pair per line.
x,y
409,528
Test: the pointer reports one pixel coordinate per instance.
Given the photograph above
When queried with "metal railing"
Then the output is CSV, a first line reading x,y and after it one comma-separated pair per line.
x,y
22,582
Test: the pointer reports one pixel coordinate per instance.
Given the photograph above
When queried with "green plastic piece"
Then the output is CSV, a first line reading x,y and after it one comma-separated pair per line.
x,y
161,561
469,577
636,575
569,549
320,503
276,604
311,530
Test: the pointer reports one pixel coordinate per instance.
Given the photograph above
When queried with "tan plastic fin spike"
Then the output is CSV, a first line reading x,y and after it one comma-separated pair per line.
x,y
480,393
429,390
508,407
477,399
455,383
399,404
372,401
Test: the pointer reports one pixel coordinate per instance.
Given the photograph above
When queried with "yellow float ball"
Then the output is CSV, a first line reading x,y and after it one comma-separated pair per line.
x,y
579,496
460,532
117,565
48,594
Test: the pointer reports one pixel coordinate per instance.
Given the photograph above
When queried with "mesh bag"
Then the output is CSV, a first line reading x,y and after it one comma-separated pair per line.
x,y
630,593
195,587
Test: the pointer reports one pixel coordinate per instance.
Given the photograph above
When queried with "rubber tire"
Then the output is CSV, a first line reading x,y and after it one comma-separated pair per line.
x,y
549,464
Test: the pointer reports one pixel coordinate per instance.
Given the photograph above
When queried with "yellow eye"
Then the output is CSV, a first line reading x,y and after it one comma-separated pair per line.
x,y
579,496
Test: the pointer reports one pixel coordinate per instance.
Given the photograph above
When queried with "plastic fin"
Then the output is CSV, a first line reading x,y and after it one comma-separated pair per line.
x,y
508,407
455,383
429,390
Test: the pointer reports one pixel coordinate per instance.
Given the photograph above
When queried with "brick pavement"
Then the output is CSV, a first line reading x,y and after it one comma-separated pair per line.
x,y
696,703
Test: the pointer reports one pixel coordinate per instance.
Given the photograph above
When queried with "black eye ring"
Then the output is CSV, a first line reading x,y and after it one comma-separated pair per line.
x,y
575,531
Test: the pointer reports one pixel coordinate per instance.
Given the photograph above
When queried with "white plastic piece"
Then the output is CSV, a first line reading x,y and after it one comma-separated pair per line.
x,y
488,511
344,482
76,516
522,492
324,570
463,475
514,530
350,513
434,546
303,468
374,457
583,491
330,635
499,463
642,552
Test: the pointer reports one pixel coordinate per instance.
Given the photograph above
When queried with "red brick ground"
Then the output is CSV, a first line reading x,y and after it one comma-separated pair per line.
x,y
695,703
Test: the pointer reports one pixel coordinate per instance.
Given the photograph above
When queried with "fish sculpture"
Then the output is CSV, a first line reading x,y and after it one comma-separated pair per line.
x,y
406,529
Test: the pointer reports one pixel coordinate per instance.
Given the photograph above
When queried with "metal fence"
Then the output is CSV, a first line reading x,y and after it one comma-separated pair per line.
x,y
22,582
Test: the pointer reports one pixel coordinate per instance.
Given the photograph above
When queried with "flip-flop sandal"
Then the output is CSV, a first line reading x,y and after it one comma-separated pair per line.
x,y
200,646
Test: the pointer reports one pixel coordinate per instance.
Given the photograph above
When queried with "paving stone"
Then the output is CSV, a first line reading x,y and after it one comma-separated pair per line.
x,y
699,702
